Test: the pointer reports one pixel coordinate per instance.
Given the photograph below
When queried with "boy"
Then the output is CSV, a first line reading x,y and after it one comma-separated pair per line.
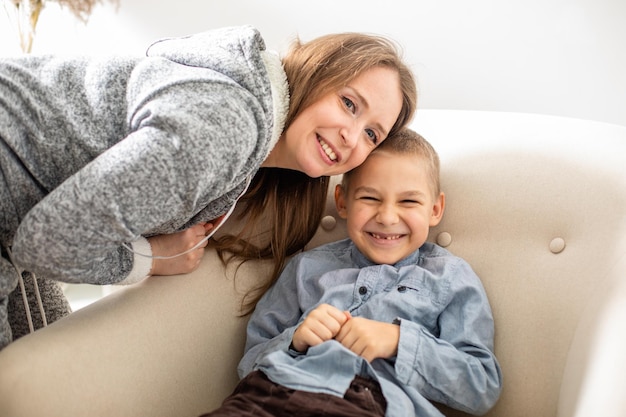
x,y
379,324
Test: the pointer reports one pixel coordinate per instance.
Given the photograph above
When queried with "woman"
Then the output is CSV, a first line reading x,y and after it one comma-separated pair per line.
x,y
115,169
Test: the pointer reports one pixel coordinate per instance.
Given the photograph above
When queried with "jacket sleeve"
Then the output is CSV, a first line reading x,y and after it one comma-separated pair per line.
x,y
457,367
183,151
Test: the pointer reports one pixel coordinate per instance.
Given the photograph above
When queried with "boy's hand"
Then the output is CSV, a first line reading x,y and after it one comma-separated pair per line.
x,y
175,243
322,324
370,339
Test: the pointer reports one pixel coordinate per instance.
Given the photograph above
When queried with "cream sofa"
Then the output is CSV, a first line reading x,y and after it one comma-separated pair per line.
x,y
536,204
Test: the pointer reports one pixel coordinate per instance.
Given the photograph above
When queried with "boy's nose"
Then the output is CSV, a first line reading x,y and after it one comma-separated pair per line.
x,y
386,215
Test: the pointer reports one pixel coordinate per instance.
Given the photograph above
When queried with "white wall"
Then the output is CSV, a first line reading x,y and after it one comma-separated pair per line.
x,y
559,57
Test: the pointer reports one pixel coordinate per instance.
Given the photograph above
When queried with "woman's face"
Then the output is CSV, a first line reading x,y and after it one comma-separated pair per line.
x,y
337,132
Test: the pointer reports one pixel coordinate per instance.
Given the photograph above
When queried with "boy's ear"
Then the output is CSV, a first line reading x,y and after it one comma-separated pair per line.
x,y
438,209
340,201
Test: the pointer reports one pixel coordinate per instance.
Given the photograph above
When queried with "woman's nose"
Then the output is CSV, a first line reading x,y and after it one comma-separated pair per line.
x,y
350,136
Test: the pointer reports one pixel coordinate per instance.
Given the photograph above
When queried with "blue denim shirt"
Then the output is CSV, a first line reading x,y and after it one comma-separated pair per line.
x,y
445,353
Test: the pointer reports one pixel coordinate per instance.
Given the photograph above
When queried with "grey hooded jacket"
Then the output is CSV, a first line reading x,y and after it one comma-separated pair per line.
x,y
96,152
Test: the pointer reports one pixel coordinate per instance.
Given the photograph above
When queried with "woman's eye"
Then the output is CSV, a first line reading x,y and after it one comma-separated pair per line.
x,y
372,136
348,103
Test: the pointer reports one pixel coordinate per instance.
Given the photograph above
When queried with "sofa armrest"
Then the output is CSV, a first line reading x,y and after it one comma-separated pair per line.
x,y
124,354
595,372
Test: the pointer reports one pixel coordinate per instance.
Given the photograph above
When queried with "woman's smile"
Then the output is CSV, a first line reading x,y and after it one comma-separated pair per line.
x,y
327,149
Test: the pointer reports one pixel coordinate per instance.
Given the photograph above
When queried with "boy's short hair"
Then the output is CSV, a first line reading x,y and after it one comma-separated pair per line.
x,y
409,142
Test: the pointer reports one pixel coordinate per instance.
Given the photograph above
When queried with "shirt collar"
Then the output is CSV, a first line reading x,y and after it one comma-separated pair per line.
x,y
362,261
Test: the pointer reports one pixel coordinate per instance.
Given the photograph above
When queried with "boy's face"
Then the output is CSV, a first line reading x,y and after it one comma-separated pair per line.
x,y
389,206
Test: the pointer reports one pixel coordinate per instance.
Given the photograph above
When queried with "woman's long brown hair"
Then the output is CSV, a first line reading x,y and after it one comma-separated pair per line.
x,y
282,210
288,205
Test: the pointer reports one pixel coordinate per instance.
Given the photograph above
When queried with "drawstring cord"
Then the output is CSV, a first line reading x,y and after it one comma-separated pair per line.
x,y
25,297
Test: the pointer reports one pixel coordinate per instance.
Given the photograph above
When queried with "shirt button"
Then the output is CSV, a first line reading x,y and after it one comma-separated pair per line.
x,y
363,290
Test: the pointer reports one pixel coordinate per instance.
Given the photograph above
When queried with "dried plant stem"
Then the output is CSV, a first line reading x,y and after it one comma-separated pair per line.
x,y
27,14
33,18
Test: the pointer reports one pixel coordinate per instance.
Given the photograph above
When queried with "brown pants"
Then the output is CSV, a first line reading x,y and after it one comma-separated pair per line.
x,y
256,395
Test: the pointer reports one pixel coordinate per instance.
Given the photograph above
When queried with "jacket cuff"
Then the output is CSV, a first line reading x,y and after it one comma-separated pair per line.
x,y
142,262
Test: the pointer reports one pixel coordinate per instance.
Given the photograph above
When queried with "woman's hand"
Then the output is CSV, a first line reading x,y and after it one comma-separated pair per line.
x,y
175,243
322,324
370,339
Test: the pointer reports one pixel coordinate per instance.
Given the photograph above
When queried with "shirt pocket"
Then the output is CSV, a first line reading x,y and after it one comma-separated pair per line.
x,y
413,287
416,300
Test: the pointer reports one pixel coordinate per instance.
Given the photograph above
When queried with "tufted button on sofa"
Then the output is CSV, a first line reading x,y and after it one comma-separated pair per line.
x,y
536,204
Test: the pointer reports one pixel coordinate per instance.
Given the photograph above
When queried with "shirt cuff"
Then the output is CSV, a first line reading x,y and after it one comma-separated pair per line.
x,y
408,348
142,262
